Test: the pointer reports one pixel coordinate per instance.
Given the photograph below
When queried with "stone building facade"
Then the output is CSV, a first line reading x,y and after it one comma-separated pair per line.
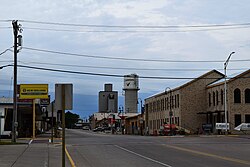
x,y
238,100
184,103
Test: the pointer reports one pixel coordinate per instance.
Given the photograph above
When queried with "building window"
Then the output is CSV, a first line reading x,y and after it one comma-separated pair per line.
x,y
237,98
157,105
163,107
172,102
247,118
175,101
167,103
153,106
217,97
209,99
213,98
247,96
221,97
178,101
237,119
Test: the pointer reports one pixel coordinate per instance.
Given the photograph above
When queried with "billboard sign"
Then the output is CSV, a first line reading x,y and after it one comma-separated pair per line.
x,y
33,91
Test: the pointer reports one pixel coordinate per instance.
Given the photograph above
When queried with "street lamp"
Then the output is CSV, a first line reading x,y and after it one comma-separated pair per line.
x,y
122,118
170,111
225,87
141,103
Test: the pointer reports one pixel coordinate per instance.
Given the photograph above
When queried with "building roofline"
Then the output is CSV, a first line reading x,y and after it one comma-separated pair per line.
x,y
202,77
190,82
240,75
230,80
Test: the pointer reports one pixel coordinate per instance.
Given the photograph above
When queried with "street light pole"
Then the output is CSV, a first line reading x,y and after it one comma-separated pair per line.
x,y
170,111
225,87
141,103
122,118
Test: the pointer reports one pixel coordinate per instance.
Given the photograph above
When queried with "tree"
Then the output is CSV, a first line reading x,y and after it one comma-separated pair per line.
x,y
70,119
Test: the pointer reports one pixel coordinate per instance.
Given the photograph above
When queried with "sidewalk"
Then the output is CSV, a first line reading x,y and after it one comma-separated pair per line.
x,y
39,153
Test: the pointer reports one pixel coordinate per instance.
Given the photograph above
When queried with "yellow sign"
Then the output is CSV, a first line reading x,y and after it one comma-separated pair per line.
x,y
33,91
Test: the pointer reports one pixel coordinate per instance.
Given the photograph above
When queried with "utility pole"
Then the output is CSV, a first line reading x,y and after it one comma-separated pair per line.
x,y
16,29
14,123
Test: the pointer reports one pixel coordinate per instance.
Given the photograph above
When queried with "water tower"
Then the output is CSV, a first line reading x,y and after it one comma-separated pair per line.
x,y
131,88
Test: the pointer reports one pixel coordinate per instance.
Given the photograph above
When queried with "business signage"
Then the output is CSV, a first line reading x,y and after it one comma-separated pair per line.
x,y
222,126
33,91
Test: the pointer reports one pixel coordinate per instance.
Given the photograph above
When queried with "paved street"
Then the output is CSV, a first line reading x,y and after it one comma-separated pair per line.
x,y
90,149
97,149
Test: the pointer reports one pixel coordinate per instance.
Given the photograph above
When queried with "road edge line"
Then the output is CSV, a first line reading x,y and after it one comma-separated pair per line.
x,y
142,156
70,159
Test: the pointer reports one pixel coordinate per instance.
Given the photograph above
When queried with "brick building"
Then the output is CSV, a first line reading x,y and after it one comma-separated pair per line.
x,y
200,102
238,100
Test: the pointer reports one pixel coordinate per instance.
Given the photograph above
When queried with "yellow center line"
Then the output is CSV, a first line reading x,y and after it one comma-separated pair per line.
x,y
209,155
70,159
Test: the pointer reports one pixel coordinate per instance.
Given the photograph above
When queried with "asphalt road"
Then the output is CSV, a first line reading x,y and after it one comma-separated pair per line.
x,y
101,150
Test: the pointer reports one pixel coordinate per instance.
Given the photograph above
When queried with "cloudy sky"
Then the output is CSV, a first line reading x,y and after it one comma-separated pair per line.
x,y
122,37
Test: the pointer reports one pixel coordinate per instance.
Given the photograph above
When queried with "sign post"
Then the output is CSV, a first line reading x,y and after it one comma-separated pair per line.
x,y
64,98
63,125
50,109
34,119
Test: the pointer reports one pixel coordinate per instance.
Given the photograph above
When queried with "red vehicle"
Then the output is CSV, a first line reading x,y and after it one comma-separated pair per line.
x,y
167,128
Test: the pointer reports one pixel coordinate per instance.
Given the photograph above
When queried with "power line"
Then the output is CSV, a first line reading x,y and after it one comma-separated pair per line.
x,y
102,74
131,59
5,20
115,75
137,26
5,27
127,68
9,49
134,31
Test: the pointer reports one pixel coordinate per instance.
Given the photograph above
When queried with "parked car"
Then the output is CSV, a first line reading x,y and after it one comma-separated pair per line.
x,y
7,134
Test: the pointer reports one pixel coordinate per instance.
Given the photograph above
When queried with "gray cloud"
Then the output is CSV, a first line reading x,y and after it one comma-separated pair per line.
x,y
200,45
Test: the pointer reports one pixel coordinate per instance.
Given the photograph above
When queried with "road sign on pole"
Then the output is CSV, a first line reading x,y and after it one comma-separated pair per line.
x,y
68,91
64,98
